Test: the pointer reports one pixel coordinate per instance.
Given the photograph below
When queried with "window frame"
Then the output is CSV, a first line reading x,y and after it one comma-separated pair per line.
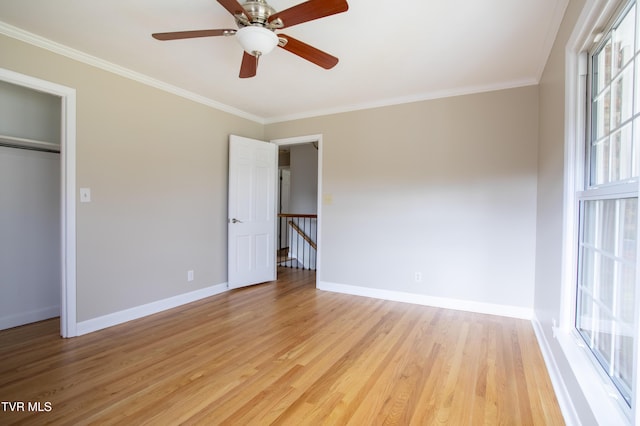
x,y
596,386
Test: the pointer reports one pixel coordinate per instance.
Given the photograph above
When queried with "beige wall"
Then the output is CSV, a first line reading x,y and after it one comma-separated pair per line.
x,y
444,187
157,168
421,187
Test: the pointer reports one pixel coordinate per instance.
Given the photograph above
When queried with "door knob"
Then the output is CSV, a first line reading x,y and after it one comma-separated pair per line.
x,y
234,220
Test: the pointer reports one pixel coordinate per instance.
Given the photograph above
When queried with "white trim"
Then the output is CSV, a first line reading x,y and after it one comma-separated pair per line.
x,y
67,195
68,320
602,398
77,55
425,300
29,317
309,139
565,401
109,320
570,224
427,96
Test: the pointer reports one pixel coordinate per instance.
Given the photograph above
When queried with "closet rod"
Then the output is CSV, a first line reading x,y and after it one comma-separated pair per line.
x,y
30,144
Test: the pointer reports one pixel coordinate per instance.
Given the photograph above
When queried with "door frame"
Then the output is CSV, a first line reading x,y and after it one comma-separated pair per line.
x,y
297,140
67,95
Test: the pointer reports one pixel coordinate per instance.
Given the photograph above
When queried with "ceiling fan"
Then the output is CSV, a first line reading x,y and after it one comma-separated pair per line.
x,y
257,23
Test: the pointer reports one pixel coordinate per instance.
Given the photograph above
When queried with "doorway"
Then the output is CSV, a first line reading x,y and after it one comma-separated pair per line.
x,y
67,184
303,205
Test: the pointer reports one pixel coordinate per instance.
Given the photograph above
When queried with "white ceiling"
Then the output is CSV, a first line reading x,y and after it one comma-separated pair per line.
x,y
390,51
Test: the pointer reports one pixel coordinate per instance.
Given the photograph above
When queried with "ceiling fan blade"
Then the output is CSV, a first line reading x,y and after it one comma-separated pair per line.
x,y
249,66
234,8
308,11
192,34
308,52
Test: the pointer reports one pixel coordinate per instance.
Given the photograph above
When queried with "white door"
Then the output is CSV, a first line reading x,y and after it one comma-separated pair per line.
x,y
252,211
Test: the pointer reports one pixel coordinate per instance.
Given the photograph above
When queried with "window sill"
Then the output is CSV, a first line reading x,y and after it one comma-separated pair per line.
x,y
602,396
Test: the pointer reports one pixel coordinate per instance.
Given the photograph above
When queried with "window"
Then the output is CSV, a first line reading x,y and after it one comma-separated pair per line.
x,y
606,304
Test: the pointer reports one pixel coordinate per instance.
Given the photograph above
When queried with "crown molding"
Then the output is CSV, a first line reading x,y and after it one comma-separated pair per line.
x,y
60,49
427,96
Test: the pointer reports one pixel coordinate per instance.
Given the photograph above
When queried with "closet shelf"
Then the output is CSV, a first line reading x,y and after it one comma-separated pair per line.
x,y
29,144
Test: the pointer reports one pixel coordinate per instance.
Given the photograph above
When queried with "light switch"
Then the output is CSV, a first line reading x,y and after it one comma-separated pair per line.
x,y
327,199
85,195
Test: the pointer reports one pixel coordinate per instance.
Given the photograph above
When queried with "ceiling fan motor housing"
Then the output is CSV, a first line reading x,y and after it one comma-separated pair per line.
x,y
256,35
259,12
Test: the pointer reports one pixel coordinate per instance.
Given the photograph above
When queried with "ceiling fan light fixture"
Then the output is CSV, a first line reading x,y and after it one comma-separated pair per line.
x,y
256,40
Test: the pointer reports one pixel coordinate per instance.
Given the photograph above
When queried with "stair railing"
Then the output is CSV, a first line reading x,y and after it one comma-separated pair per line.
x,y
298,236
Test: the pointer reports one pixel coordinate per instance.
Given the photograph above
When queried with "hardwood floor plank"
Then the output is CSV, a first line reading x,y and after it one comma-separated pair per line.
x,y
283,353
383,355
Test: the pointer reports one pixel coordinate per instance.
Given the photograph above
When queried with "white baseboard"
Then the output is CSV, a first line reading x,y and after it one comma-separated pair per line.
x,y
562,394
28,317
421,299
120,317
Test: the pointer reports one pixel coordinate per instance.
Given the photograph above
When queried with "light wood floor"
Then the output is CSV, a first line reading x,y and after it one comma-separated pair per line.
x,y
283,353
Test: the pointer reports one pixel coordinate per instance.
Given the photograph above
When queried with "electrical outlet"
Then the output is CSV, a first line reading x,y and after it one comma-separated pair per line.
x,y
418,277
85,195
190,275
